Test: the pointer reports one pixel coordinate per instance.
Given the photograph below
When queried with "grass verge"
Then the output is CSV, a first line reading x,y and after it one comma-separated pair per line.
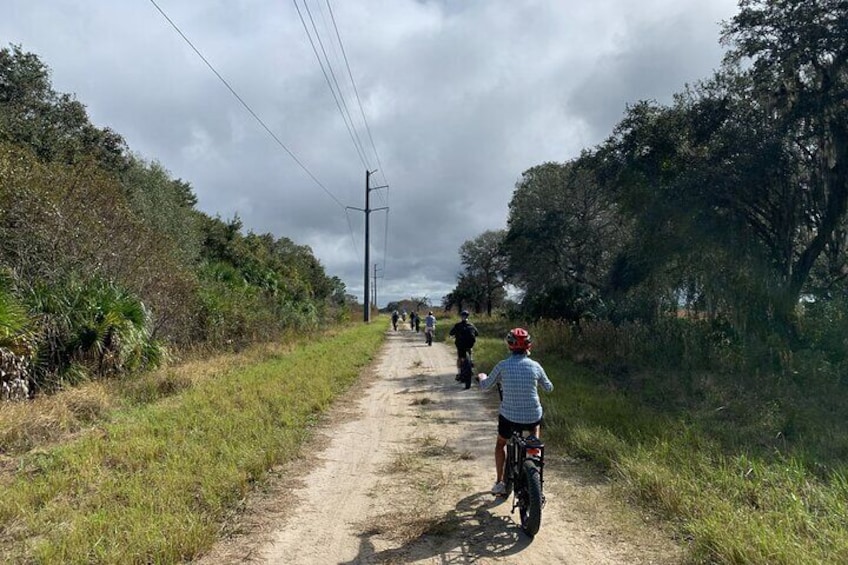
x,y
153,484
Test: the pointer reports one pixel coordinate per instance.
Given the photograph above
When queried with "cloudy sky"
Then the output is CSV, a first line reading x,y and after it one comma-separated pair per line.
x,y
460,97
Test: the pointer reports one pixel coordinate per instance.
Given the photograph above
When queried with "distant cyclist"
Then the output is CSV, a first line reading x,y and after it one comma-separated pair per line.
x,y
430,321
430,327
519,377
465,336
395,317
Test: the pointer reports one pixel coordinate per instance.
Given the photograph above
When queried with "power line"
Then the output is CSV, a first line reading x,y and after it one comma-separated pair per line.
x,y
350,227
367,129
330,65
327,77
346,112
247,107
386,237
356,91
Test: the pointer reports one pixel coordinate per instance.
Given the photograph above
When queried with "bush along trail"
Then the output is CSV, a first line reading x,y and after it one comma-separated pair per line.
x,y
153,483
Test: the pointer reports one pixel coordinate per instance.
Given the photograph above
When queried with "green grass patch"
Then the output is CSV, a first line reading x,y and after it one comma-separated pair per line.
x,y
154,483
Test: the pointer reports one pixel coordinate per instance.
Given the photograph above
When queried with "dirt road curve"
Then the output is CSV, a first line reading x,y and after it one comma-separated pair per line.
x,y
400,474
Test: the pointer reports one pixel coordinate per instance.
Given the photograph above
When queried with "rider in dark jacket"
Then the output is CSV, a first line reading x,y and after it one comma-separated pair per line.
x,y
465,336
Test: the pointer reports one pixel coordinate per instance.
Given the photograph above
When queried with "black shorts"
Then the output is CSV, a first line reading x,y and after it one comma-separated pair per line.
x,y
462,352
505,427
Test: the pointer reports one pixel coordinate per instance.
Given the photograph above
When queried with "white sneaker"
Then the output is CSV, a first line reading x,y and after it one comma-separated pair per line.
x,y
499,488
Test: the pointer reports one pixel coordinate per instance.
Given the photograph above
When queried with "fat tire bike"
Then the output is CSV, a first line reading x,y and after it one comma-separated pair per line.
x,y
523,474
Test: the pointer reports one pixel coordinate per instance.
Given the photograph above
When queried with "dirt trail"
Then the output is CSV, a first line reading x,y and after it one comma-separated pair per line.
x,y
400,474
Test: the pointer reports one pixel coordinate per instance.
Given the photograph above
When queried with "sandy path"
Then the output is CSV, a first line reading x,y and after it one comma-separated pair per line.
x,y
401,472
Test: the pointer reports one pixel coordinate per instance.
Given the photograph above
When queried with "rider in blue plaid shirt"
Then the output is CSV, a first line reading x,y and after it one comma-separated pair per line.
x,y
520,378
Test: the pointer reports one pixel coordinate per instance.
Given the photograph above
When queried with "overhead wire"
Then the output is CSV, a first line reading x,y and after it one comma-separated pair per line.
x,y
358,147
367,129
346,116
332,45
356,92
340,99
386,239
350,227
247,106
336,62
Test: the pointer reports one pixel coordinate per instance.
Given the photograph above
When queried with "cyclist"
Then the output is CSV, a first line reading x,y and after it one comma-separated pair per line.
x,y
429,328
519,377
465,335
395,317
430,321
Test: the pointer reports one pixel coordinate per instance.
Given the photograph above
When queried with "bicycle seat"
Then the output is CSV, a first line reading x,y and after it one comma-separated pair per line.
x,y
533,441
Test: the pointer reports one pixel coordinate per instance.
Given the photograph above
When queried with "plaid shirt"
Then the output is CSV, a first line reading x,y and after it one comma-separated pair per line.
x,y
520,377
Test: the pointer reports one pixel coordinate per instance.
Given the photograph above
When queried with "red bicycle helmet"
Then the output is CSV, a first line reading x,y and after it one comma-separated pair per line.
x,y
518,340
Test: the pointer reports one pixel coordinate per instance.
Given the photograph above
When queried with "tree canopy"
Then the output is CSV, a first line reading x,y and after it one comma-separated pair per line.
x,y
481,284
730,201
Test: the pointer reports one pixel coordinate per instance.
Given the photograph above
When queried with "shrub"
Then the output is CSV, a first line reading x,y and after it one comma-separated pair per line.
x,y
91,327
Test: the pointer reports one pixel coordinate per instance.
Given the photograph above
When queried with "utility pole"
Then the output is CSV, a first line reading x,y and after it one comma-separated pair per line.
x,y
366,295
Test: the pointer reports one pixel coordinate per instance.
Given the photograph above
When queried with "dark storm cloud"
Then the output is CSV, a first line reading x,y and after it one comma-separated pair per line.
x,y
461,97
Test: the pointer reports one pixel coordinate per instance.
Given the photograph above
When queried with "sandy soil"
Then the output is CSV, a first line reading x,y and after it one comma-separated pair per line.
x,y
400,473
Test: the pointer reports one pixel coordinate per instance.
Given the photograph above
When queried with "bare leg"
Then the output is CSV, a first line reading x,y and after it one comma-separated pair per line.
x,y
500,457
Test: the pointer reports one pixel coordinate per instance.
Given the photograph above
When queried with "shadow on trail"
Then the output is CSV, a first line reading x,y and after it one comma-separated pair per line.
x,y
466,534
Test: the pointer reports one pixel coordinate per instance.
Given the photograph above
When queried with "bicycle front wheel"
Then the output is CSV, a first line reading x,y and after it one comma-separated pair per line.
x,y
530,507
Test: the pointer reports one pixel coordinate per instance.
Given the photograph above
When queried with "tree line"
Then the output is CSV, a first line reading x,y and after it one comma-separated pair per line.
x,y
728,204
106,264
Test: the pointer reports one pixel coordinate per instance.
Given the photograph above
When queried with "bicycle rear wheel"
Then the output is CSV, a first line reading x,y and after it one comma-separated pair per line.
x,y
466,371
530,504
